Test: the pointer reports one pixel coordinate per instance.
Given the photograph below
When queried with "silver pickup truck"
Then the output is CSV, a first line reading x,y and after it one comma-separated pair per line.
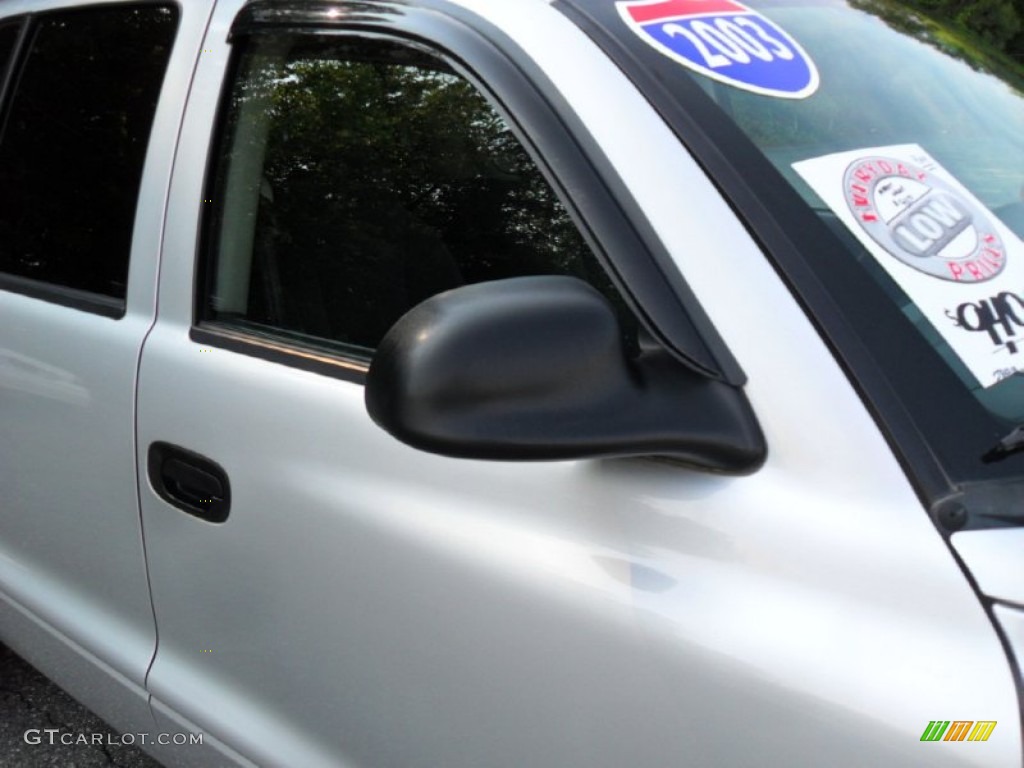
x,y
514,383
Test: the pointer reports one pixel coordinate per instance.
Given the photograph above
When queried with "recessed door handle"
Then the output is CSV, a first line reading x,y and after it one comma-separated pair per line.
x,y
190,482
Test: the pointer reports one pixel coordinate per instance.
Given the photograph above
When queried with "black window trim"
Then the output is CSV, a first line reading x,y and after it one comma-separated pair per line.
x,y
609,219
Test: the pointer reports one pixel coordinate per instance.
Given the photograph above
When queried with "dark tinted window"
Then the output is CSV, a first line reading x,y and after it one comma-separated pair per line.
x,y
8,37
73,144
358,179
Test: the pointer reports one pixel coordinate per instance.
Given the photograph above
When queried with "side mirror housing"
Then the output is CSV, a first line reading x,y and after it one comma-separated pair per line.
x,y
535,368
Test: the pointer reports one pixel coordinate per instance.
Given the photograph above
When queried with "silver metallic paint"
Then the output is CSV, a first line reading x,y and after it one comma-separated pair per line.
x,y
994,559
71,552
428,611
369,604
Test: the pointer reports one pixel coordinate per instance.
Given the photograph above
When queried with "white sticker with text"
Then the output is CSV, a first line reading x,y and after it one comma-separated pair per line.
x,y
961,266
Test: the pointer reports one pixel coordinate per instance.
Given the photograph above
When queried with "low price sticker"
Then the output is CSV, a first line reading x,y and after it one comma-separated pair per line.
x,y
961,266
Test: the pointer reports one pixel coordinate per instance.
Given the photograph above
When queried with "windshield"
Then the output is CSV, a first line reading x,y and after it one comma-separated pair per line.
x,y
903,133
908,115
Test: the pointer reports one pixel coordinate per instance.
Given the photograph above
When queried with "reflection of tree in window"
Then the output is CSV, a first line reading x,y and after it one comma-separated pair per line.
x,y
390,179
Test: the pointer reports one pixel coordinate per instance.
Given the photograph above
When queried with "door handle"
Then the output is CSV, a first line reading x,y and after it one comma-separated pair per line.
x,y
190,482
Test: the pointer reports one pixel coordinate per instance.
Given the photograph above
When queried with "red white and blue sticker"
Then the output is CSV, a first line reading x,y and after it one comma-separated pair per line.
x,y
726,41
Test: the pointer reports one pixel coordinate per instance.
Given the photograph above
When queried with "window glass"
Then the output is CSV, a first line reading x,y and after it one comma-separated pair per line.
x,y
359,178
73,143
957,103
8,37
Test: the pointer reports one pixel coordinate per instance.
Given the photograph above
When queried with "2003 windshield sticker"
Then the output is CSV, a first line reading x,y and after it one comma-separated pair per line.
x,y
726,41
958,263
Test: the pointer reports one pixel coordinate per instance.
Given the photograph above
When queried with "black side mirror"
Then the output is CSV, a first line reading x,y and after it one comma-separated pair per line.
x,y
535,368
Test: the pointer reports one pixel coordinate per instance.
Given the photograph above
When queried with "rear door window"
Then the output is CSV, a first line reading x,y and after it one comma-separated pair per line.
x,y
75,127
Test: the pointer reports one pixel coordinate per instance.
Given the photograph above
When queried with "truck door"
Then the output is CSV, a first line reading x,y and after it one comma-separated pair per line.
x,y
88,131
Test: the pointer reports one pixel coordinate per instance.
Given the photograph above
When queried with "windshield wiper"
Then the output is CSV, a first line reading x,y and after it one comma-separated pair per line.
x,y
1010,444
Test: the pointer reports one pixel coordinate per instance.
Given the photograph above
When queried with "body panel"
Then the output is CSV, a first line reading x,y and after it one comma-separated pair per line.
x,y
72,569
993,557
366,603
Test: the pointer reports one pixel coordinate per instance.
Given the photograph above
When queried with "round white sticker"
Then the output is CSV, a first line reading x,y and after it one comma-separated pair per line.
x,y
923,221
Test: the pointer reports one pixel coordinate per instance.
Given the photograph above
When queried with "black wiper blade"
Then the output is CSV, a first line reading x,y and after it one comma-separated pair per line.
x,y
1010,444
